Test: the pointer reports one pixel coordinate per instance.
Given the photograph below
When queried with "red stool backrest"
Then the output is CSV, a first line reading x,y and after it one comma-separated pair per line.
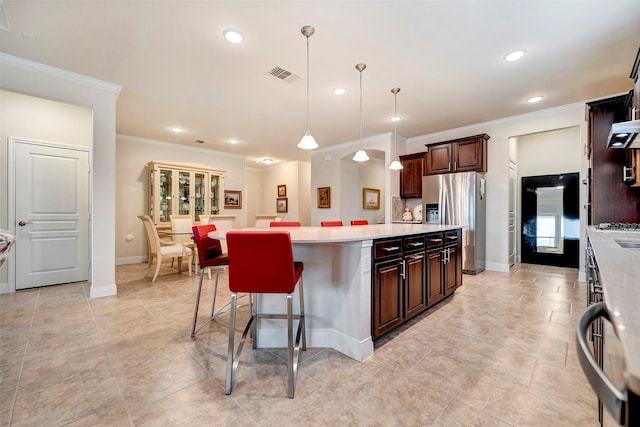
x,y
261,262
284,224
331,224
208,249
359,222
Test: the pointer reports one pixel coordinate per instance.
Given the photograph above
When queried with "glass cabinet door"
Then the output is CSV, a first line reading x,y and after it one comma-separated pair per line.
x,y
215,194
165,187
199,188
184,205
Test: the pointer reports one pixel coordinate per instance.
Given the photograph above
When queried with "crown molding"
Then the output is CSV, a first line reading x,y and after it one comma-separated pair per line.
x,y
155,142
48,70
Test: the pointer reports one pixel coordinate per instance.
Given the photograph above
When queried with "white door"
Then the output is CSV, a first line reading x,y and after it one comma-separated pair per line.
x,y
51,215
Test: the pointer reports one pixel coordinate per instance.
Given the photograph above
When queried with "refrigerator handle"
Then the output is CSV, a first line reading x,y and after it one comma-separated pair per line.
x,y
441,206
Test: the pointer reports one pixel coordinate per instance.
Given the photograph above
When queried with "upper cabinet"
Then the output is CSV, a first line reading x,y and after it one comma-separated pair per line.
x,y
458,155
185,189
411,175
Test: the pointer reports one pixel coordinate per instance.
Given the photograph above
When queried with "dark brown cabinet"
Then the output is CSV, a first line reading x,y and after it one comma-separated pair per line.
x,y
410,274
611,200
458,155
411,175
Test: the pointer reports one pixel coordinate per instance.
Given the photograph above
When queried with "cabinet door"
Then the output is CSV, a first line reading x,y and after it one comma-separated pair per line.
x,y
452,270
184,193
434,277
199,194
411,176
387,297
469,155
438,159
415,284
215,192
165,188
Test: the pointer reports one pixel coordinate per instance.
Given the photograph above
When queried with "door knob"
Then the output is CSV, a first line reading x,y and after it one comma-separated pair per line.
x,y
23,223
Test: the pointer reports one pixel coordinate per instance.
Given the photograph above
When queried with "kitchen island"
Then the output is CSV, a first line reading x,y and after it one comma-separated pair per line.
x,y
338,286
616,269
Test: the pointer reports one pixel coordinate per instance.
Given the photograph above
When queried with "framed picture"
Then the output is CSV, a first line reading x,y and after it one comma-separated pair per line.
x,y
232,199
370,198
282,205
282,190
324,197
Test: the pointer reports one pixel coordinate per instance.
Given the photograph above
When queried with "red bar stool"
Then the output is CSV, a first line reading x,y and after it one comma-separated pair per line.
x,y
261,262
284,224
331,223
209,256
359,222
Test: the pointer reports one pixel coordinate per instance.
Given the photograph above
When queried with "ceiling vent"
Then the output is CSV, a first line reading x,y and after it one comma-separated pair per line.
x,y
283,74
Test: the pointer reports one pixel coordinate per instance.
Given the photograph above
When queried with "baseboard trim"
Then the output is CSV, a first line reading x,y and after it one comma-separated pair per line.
x,y
497,266
103,291
131,260
5,289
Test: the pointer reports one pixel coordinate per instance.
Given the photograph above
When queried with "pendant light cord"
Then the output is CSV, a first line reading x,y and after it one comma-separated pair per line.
x,y
307,84
361,109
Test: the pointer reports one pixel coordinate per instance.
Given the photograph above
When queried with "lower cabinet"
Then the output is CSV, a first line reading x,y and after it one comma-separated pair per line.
x,y
410,274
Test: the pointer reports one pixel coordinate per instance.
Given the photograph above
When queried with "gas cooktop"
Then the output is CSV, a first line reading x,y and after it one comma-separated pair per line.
x,y
618,226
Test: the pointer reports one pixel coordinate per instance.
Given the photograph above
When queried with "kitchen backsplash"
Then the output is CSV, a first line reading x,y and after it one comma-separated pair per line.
x,y
398,205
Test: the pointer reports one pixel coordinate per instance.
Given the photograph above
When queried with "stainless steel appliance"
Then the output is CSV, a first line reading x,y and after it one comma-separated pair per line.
x,y
459,199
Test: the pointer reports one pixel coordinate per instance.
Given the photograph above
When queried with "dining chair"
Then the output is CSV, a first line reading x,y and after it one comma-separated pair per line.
x,y
159,249
261,262
331,223
183,224
284,224
359,222
210,256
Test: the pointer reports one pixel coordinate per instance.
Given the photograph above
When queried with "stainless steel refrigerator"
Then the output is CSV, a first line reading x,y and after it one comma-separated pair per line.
x,y
459,199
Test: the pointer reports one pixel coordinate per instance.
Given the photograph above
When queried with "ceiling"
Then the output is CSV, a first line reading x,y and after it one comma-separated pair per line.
x,y
176,69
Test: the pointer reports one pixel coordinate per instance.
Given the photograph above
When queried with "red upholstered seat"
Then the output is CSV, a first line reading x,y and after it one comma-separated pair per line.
x,y
209,256
284,224
331,224
359,222
261,262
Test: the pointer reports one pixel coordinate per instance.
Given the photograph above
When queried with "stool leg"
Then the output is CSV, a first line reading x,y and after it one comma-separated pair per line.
x,y
195,313
232,329
290,367
215,289
253,311
302,319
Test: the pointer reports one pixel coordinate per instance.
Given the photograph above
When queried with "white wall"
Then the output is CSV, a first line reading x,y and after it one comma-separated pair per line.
x,y
43,81
328,170
549,153
497,175
36,119
132,186
372,176
254,196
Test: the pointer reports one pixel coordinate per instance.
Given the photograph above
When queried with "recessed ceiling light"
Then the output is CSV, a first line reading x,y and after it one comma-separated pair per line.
x,y
339,91
515,55
395,118
233,36
233,141
534,99
176,129
267,161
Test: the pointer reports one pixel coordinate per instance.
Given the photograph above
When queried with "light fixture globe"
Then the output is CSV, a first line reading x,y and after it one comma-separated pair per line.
x,y
307,142
361,155
395,165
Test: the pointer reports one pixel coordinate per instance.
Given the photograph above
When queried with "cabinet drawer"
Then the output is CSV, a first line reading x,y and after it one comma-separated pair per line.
x,y
450,237
434,240
414,243
386,248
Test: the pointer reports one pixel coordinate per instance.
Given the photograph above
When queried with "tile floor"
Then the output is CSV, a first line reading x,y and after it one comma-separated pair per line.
x,y
500,352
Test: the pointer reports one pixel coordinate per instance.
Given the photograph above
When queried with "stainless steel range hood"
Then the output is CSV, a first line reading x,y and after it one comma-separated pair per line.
x,y
624,135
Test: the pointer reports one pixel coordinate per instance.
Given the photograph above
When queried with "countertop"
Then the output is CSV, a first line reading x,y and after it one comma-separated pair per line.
x,y
620,277
348,233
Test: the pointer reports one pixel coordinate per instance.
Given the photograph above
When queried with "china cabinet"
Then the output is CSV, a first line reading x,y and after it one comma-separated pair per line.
x,y
185,189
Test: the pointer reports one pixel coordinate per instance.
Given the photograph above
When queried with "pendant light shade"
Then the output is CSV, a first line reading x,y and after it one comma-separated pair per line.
x,y
307,142
395,164
361,155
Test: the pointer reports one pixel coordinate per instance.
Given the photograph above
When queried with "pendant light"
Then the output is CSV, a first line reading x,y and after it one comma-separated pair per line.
x,y
395,165
361,155
307,142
